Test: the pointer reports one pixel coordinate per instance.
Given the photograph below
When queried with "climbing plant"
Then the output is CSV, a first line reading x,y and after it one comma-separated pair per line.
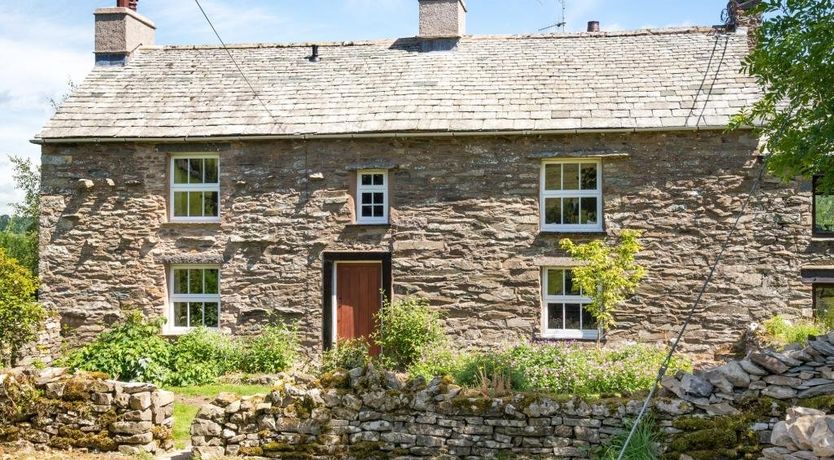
x,y
607,273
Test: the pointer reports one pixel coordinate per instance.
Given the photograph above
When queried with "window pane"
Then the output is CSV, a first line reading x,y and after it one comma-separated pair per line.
x,y
212,171
212,279
553,177
379,211
196,310
554,316
180,204
571,288
180,281
588,320
555,280
588,211
181,314
211,312
378,179
367,198
571,211
367,211
824,216
572,315
212,204
195,281
378,198
195,204
181,171
824,301
553,211
367,179
196,172
570,176
589,177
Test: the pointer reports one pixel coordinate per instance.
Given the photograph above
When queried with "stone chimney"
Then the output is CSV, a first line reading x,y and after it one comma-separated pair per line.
x,y
442,18
740,18
120,31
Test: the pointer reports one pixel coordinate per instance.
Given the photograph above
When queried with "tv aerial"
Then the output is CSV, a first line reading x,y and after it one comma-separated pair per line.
x,y
559,26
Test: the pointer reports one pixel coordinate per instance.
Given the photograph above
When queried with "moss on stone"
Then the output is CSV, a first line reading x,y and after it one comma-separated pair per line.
x,y
335,380
76,389
824,403
250,452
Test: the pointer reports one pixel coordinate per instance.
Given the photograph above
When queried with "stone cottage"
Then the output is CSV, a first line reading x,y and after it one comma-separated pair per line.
x,y
335,175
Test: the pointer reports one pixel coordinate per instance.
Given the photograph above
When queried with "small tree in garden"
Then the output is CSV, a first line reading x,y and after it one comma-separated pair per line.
x,y
609,273
20,316
405,329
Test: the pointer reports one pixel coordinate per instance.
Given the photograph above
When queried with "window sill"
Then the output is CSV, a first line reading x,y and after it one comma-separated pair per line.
x,y
360,224
178,332
573,232
823,238
570,336
201,223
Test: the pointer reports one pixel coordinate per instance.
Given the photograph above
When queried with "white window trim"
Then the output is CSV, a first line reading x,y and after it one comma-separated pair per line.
x,y
544,194
372,189
576,334
192,188
173,298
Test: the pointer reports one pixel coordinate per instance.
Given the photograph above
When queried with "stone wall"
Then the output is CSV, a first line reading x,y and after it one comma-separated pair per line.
x,y
464,230
731,411
52,408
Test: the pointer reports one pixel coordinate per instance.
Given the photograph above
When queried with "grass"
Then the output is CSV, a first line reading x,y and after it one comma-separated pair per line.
x,y
189,400
780,331
643,446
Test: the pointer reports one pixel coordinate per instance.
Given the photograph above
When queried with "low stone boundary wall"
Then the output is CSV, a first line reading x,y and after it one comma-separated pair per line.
x,y
55,409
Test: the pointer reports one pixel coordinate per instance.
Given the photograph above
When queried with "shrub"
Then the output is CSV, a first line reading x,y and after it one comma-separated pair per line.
x,y
203,355
275,349
21,246
644,445
348,354
405,329
478,366
780,331
131,351
20,316
437,361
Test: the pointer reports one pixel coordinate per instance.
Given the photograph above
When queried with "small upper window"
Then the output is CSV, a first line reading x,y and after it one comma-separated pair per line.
x,y
823,209
564,315
571,196
195,188
372,197
195,297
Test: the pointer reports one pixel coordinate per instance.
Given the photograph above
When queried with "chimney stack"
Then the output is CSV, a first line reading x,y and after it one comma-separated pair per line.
x,y
120,31
593,26
442,18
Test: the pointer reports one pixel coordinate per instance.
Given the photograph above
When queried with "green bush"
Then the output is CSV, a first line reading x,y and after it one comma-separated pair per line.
x,y
348,354
644,445
21,246
20,316
475,367
437,361
780,331
203,355
131,351
405,329
275,349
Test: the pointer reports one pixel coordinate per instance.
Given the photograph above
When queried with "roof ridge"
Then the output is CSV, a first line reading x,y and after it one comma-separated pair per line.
x,y
388,41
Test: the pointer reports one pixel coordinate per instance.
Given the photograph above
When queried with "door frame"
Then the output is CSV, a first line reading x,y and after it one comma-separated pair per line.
x,y
330,260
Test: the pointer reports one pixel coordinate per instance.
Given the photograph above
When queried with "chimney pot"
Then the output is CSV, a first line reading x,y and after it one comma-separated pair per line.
x,y
132,4
593,26
442,18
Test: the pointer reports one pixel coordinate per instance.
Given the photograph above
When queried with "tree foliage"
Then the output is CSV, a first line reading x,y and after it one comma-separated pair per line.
x,y
792,62
19,233
20,316
608,274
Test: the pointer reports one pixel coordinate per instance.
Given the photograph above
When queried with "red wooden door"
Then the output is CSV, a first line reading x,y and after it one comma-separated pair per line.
x,y
358,300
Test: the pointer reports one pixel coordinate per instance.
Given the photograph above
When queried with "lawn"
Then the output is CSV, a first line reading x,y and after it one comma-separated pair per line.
x,y
189,400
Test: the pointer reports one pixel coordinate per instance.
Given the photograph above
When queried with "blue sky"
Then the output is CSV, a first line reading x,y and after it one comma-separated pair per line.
x,y
44,43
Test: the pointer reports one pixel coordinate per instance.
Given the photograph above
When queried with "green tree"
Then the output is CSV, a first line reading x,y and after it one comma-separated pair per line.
x,y
792,62
20,316
19,237
609,274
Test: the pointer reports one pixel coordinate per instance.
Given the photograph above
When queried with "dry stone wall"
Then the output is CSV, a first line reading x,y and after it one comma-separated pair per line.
x,y
464,230
736,410
52,408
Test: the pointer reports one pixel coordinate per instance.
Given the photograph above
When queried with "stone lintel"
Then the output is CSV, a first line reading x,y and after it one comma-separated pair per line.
x,y
569,155
382,164
190,259
557,262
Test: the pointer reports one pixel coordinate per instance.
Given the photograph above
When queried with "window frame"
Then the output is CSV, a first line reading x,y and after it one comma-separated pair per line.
x,y
575,334
174,188
174,298
360,189
814,231
544,194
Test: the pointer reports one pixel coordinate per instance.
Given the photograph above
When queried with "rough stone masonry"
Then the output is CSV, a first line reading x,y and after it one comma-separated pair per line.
x,y
464,230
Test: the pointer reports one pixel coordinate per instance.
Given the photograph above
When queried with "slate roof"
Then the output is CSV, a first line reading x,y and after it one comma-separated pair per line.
x,y
648,79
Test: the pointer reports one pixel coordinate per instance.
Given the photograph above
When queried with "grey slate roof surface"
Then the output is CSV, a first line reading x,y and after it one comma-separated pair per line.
x,y
650,79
